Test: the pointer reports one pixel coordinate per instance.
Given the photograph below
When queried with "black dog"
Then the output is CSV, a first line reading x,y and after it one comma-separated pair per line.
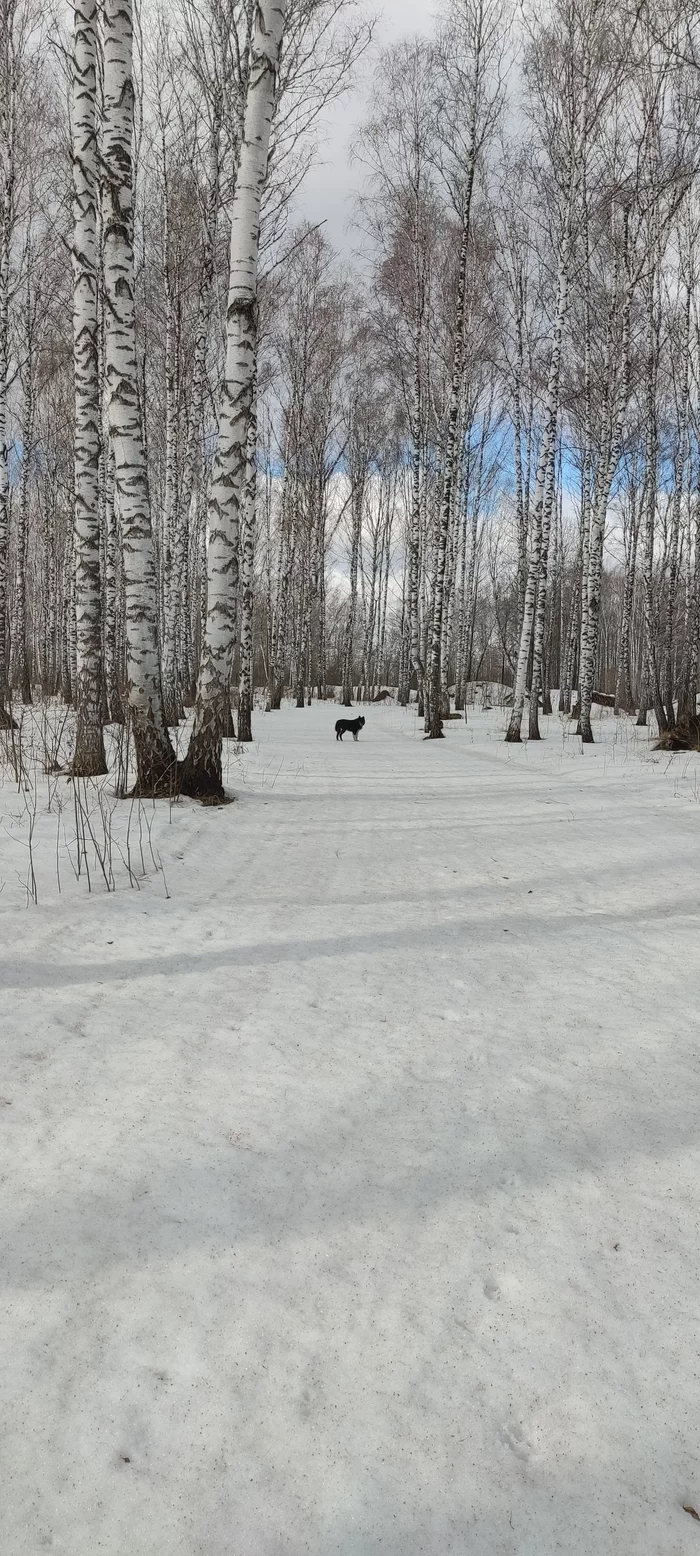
x,y
342,725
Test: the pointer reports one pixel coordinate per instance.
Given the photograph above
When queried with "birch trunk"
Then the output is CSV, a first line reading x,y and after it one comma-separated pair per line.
x,y
155,759
417,663
245,684
346,692
368,659
545,454
320,544
678,482
404,686
185,515
687,699
540,613
434,722
202,767
651,442
624,700
520,508
8,99
89,755
171,526
608,462
19,667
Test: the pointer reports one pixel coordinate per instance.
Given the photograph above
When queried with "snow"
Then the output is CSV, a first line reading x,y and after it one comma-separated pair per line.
x,y
349,1191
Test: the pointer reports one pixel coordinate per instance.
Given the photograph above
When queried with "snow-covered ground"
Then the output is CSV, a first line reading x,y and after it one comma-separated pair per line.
x,y
350,1190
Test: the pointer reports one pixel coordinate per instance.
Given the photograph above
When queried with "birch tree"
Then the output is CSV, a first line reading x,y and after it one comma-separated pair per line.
x,y
471,87
573,68
247,566
8,174
154,753
89,755
202,768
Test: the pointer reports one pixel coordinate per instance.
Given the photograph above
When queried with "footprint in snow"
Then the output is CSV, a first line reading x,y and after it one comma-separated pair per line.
x,y
492,1290
518,1440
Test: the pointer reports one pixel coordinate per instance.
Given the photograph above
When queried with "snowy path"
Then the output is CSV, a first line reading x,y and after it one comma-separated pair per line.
x,y
349,1197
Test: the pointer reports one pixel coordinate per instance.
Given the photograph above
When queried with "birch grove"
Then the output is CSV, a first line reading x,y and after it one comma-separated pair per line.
x,y
457,459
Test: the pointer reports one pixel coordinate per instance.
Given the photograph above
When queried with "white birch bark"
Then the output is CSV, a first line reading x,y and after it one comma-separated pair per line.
x,y
551,412
89,755
452,453
417,663
618,390
202,768
652,697
111,594
687,699
541,607
169,519
678,486
623,682
19,666
521,516
156,769
465,484
186,508
245,681
8,126
320,587
434,712
357,504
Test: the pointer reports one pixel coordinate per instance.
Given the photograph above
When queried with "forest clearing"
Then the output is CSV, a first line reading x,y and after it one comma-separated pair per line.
x,y
360,1214
349,777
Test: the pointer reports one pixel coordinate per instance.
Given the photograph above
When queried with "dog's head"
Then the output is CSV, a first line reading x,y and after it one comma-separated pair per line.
x,y
361,723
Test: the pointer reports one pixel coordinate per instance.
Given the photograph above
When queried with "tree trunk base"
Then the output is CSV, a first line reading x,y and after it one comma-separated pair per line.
x,y
89,759
157,768
200,774
201,780
197,783
245,722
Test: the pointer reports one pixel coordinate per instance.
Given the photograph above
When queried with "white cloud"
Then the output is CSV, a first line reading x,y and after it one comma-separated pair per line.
x,y
330,188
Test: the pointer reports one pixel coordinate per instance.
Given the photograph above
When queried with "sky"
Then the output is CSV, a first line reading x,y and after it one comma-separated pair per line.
x,y
330,187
